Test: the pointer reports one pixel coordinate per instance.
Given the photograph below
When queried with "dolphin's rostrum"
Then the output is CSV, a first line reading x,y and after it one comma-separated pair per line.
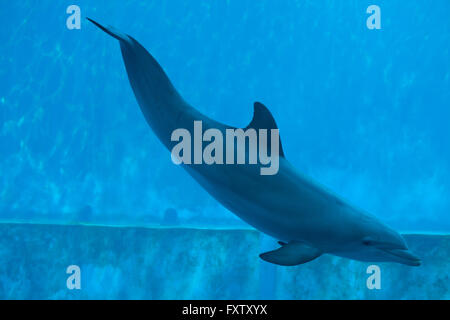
x,y
307,219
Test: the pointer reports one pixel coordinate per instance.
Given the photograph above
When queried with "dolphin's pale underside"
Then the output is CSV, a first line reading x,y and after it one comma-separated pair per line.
x,y
308,219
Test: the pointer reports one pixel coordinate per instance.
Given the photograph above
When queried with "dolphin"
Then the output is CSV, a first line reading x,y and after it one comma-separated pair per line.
x,y
306,218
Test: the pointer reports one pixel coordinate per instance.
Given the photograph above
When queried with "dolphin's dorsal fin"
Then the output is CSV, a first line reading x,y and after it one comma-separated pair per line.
x,y
263,119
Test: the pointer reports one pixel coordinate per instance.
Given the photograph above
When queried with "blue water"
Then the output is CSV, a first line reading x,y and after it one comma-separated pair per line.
x,y
364,112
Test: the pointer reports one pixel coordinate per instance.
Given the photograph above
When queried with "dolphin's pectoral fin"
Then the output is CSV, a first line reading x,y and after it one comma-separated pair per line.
x,y
291,254
263,119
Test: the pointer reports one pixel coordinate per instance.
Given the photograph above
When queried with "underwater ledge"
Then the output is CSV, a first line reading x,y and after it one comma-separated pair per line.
x,y
197,263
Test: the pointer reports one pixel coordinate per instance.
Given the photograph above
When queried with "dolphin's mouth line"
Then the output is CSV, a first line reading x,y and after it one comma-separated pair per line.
x,y
404,255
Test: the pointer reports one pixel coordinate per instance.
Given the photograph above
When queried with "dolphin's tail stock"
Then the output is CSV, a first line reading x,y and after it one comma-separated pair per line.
x,y
158,99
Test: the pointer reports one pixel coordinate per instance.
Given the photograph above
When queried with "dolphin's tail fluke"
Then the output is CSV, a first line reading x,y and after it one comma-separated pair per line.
x,y
111,31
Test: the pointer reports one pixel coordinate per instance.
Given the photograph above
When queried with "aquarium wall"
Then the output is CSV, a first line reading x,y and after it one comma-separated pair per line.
x,y
174,263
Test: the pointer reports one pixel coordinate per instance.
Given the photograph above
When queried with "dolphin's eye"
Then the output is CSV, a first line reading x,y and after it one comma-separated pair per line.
x,y
369,241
